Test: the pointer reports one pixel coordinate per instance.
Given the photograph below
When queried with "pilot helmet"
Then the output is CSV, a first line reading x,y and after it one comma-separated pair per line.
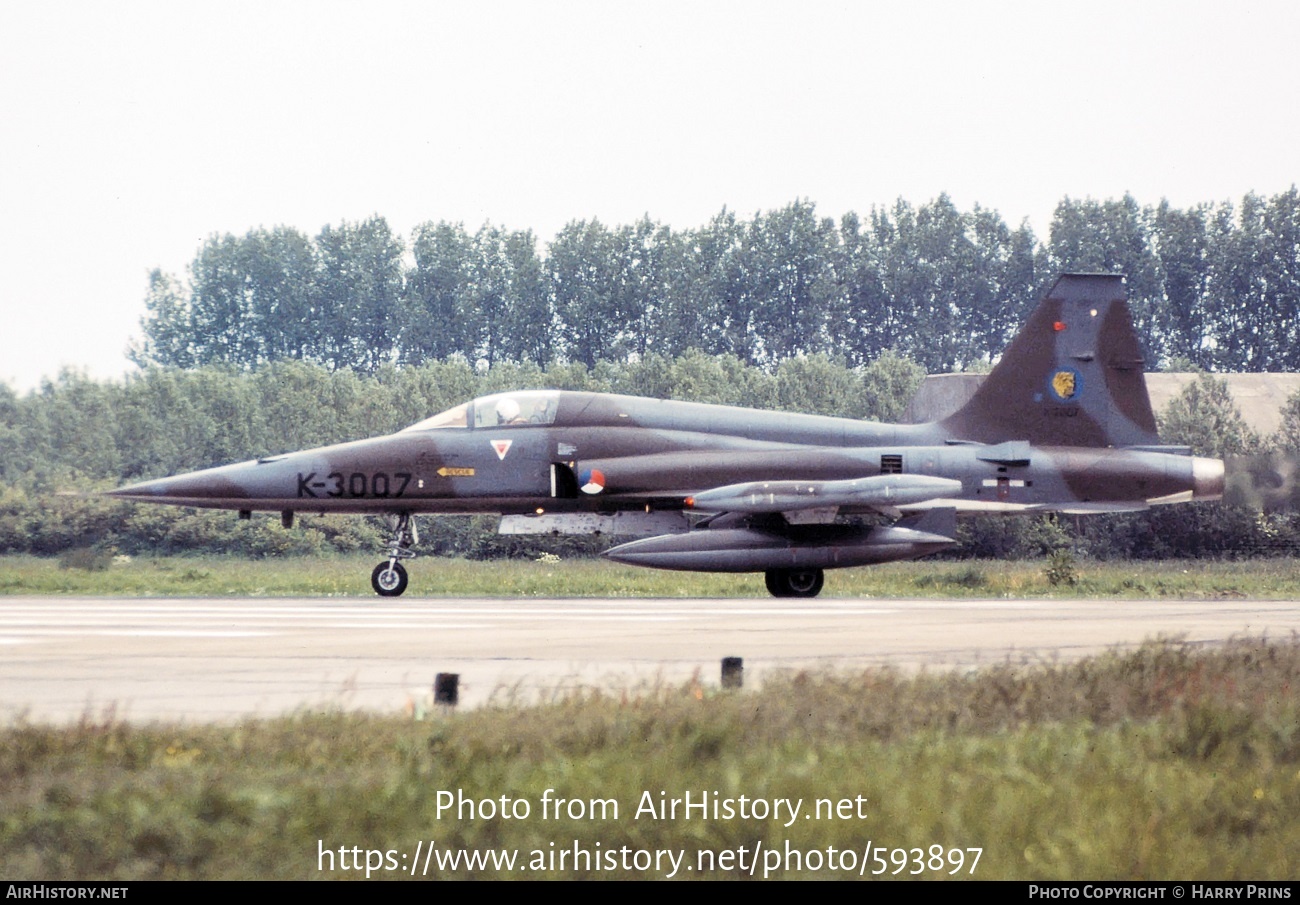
x,y
507,411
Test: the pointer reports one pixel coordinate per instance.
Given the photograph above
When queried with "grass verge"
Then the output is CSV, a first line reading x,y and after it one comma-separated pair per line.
x,y
349,576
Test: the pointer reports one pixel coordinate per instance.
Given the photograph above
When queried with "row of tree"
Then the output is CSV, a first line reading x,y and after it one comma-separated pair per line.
x,y
1214,285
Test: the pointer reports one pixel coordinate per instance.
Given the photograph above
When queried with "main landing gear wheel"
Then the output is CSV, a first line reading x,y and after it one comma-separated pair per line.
x,y
795,582
388,579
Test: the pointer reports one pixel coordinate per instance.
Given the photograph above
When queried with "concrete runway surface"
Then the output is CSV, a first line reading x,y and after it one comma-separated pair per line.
x,y
220,660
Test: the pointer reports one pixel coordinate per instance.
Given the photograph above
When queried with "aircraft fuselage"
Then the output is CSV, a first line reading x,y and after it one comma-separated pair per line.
x,y
656,454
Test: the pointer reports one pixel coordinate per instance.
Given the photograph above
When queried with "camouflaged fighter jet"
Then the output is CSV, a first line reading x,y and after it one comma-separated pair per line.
x,y
1062,424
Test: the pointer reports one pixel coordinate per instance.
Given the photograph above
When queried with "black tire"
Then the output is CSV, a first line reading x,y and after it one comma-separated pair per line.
x,y
389,581
795,582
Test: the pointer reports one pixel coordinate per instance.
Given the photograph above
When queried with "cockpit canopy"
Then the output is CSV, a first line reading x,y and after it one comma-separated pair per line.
x,y
521,408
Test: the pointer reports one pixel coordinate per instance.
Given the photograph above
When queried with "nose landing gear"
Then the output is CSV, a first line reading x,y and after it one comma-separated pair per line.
x,y
389,578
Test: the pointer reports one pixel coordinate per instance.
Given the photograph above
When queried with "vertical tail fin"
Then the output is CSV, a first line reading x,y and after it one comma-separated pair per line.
x,y
1071,377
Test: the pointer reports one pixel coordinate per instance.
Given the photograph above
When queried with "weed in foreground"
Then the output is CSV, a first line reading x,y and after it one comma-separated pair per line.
x,y
1062,570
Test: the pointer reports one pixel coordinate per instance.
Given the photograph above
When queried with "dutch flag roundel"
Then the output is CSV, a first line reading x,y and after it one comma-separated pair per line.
x,y
593,481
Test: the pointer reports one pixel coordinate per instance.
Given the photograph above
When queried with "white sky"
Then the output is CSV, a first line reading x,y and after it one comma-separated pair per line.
x,y
131,131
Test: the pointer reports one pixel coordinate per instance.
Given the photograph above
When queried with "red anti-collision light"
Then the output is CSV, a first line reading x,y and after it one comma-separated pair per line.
x,y
1058,326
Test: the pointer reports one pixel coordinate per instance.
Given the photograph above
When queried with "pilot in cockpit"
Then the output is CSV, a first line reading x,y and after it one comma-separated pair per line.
x,y
508,412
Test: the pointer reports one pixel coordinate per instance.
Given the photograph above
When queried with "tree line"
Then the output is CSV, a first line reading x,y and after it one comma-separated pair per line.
x,y
1215,286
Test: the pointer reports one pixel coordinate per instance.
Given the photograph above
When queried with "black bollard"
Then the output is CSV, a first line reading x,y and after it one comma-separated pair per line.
x,y
446,688
733,672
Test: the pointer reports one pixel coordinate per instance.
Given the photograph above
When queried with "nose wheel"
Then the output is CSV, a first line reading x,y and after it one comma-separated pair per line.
x,y
389,578
795,582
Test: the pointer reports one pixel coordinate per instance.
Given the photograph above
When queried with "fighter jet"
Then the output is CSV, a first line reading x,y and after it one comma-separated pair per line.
x,y
1063,423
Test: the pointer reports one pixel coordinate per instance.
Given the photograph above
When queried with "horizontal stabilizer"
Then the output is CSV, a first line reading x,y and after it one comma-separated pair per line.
x,y
793,496
938,521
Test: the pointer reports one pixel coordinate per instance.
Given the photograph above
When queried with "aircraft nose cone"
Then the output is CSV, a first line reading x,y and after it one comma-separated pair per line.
x,y
229,482
143,491
1207,479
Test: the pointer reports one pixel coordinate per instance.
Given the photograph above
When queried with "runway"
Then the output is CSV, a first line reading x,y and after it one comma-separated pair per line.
x,y
65,659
